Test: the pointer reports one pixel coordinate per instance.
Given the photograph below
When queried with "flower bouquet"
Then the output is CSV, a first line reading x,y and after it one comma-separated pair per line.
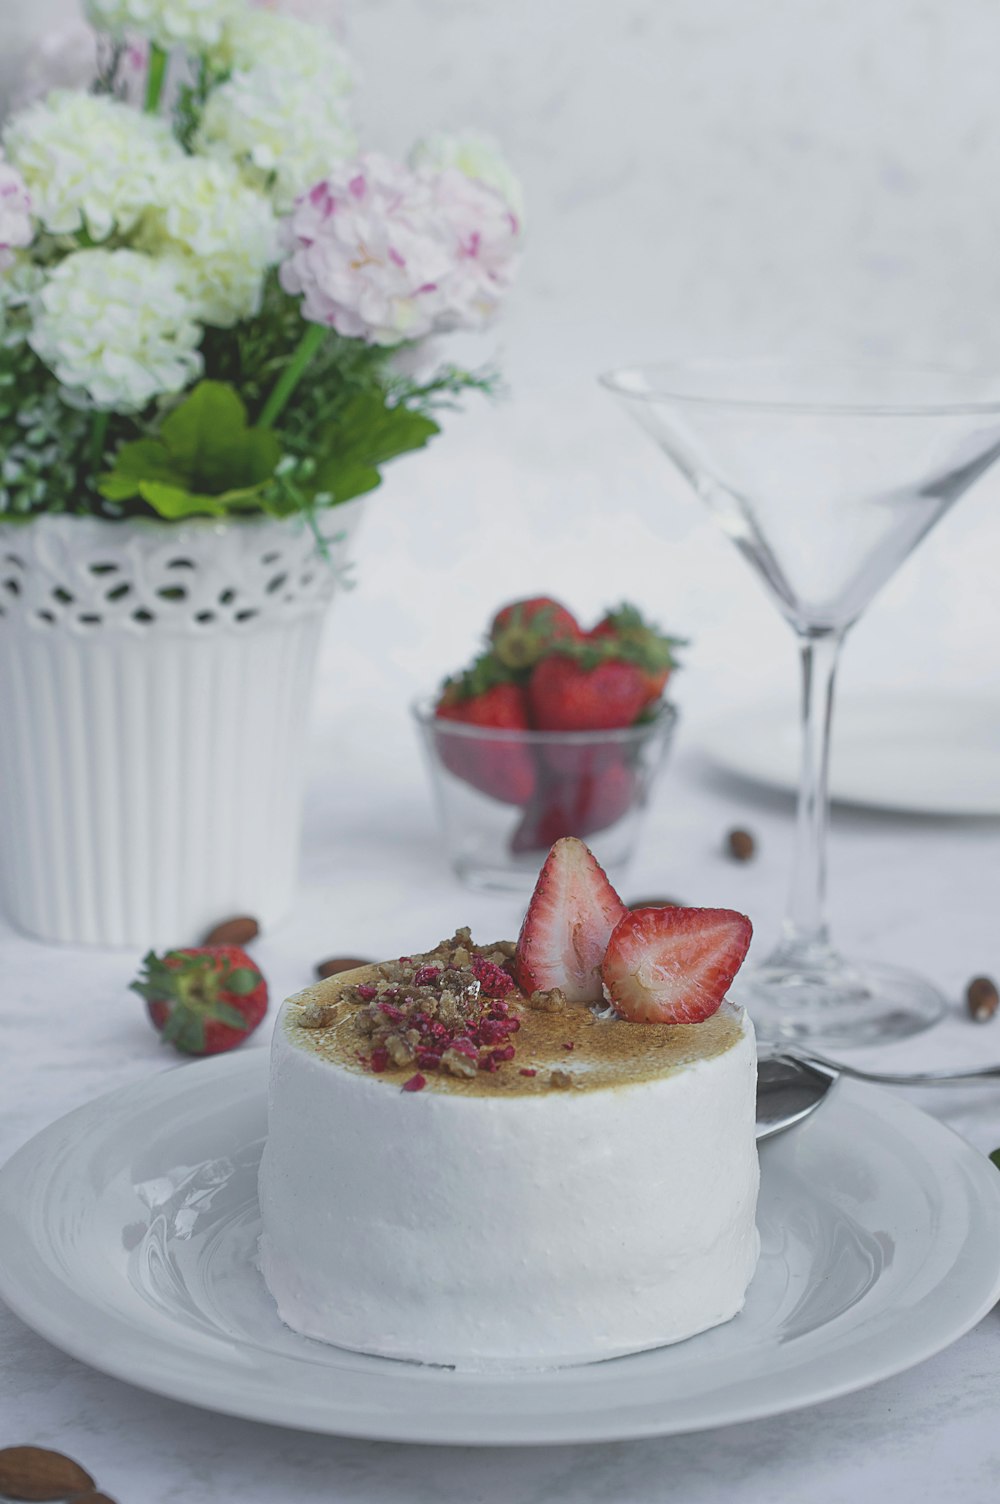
x,y
209,301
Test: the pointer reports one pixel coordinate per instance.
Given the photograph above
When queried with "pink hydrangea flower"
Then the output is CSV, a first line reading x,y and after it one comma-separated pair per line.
x,y
365,253
16,228
483,233
385,254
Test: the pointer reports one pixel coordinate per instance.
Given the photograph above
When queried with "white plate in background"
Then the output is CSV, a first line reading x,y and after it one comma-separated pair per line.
x,y
128,1235
921,753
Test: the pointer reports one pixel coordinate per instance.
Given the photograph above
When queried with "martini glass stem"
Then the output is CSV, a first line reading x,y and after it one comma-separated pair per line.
x,y
805,929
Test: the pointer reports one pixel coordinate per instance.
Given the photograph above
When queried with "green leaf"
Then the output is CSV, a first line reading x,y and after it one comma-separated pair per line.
x,y
210,444
206,459
995,1157
241,981
232,1017
145,459
186,1030
367,433
174,501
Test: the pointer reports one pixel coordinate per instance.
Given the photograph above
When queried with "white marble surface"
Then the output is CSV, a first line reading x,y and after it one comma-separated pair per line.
x,y
707,175
374,883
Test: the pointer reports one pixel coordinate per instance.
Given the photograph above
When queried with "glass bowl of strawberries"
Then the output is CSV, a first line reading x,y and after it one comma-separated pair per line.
x,y
552,731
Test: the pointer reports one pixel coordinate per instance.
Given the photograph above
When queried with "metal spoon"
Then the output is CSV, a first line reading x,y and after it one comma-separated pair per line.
x,y
791,1085
890,1078
788,1090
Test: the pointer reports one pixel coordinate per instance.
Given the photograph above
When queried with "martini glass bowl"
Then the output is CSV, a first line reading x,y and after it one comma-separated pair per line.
x,y
826,477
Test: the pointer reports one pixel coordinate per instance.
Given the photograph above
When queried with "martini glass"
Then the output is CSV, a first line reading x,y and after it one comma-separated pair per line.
x,y
826,477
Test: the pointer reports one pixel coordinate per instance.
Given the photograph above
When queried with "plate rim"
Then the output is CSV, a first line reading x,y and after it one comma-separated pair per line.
x,y
713,738
31,1306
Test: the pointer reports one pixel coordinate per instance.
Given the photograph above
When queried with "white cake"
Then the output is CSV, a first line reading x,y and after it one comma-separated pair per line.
x,y
567,1206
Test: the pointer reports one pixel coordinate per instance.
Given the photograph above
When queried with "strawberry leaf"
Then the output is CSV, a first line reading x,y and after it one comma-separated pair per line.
x,y
186,1030
241,981
224,1014
484,673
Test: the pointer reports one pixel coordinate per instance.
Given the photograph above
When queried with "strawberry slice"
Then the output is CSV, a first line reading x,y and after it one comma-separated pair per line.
x,y
566,929
673,966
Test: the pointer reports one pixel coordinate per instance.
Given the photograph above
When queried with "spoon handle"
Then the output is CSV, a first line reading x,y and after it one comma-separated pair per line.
x,y
890,1078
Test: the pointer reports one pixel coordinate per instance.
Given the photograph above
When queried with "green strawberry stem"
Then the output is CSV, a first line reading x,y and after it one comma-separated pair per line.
x,y
191,988
484,673
290,377
155,78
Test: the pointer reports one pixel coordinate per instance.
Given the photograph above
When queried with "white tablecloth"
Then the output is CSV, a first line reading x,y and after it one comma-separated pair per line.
x,y
375,884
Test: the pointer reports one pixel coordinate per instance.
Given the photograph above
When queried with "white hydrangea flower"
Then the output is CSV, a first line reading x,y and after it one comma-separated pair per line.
x,y
477,156
194,24
284,131
255,37
116,328
16,228
223,234
89,161
366,254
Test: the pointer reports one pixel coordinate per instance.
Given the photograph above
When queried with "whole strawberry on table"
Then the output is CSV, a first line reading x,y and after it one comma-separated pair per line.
x,y
542,671
203,999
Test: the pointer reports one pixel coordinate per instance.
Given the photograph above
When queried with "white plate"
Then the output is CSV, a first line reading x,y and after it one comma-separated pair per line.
x,y
128,1233
933,754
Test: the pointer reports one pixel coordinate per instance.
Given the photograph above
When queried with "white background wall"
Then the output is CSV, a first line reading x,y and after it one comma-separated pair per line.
x,y
702,175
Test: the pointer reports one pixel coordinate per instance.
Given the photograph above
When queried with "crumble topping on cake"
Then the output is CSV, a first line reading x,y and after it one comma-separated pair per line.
x,y
443,1011
453,1019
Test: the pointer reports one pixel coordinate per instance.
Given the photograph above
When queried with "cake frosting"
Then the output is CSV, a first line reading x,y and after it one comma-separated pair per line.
x,y
585,1188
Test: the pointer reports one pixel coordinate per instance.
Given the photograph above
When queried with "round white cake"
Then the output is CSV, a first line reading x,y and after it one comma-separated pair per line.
x,y
591,1193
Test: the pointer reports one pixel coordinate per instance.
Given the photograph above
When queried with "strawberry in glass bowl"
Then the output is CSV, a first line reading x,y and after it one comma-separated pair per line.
x,y
554,730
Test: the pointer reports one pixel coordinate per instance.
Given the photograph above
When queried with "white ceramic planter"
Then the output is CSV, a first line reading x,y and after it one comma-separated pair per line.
x,y
154,691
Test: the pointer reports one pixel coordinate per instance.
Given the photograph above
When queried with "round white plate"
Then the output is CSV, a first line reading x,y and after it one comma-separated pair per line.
x,y
128,1232
922,753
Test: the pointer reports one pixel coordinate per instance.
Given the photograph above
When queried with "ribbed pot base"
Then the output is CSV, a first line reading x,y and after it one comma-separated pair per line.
x,y
154,694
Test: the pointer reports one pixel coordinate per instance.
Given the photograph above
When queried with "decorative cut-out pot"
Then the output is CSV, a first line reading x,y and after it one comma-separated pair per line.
x,y
155,682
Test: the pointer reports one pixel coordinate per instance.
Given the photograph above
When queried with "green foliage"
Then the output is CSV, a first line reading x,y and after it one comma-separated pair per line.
x,y
367,433
41,440
205,459
205,453
190,102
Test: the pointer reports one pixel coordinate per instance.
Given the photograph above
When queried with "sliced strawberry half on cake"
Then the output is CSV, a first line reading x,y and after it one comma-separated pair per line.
x,y
565,933
674,966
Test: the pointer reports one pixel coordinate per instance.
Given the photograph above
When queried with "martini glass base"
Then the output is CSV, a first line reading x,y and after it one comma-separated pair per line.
x,y
837,1002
